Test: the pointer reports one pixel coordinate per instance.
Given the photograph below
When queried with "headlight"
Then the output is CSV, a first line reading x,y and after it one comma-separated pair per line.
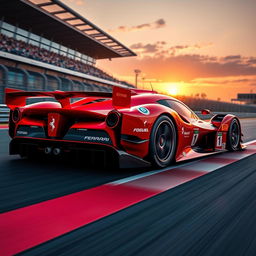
x,y
113,119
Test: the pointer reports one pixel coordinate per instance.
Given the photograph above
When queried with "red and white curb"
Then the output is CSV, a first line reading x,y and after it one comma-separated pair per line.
x,y
3,127
30,226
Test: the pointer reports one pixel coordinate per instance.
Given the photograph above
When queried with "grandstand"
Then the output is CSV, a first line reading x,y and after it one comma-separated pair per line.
x,y
247,98
45,45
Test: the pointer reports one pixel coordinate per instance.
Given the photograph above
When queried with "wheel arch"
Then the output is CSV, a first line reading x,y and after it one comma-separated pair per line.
x,y
172,118
225,126
240,128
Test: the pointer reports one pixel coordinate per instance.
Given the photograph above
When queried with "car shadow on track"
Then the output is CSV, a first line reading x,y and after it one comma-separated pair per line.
x,y
68,163
24,181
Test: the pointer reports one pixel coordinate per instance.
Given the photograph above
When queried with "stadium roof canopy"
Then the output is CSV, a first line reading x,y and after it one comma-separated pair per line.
x,y
57,22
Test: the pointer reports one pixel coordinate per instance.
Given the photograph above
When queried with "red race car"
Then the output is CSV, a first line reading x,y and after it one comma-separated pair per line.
x,y
138,127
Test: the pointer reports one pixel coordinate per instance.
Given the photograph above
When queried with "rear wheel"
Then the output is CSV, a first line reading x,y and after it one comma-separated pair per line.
x,y
163,142
234,136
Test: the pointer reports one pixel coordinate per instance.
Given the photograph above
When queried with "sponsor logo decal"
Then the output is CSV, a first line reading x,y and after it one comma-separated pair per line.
x,y
96,138
52,124
144,111
185,133
140,130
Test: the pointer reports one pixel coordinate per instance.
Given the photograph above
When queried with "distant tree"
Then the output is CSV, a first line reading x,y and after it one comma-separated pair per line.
x,y
203,95
197,95
218,99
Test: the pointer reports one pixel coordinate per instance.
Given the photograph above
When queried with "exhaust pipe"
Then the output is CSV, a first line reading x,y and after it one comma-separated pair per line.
x,y
56,151
48,150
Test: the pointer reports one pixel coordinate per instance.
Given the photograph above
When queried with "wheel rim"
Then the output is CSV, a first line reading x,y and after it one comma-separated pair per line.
x,y
235,135
164,141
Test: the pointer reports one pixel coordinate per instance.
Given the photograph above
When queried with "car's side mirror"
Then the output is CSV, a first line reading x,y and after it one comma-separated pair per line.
x,y
205,112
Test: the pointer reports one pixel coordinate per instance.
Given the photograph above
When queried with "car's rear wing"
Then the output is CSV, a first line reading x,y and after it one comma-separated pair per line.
x,y
17,98
121,97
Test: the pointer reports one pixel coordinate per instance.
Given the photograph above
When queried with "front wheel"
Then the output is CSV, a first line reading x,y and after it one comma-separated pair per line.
x,y
163,142
234,136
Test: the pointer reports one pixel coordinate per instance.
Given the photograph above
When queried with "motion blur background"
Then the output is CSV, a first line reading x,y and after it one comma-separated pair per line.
x,y
191,47
202,52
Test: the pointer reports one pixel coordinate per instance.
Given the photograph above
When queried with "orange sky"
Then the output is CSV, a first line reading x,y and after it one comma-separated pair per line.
x,y
183,46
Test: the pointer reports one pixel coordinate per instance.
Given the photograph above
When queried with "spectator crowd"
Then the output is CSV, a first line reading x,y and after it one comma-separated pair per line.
x,y
11,45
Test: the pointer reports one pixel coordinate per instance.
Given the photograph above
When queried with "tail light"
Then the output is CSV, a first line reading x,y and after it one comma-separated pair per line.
x,y
16,115
113,119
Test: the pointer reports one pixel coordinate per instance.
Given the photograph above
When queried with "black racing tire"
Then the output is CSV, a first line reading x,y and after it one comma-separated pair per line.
x,y
234,136
163,142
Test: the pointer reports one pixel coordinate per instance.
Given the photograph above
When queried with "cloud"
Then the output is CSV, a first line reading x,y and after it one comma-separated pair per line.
x,y
188,67
232,57
148,48
225,80
177,62
162,49
145,48
175,49
251,60
160,23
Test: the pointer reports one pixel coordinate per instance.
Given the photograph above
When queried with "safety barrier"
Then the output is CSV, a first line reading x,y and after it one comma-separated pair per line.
x,y
198,104
238,114
4,113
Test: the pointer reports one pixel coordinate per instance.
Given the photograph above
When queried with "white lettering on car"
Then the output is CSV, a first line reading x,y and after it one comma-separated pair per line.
x,y
140,130
185,133
95,138
22,132
118,94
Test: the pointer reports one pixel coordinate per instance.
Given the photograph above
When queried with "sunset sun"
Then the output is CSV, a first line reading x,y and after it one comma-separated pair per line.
x,y
172,89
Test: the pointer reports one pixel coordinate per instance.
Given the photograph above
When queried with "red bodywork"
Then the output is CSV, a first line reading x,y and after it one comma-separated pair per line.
x,y
83,123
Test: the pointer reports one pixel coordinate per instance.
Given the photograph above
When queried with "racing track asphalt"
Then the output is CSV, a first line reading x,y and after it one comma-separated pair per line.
x,y
213,213
24,182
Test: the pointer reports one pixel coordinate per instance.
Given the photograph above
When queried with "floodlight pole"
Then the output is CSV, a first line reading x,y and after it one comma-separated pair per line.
x,y
137,72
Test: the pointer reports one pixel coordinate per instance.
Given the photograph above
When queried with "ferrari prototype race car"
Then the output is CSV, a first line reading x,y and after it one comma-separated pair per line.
x,y
134,127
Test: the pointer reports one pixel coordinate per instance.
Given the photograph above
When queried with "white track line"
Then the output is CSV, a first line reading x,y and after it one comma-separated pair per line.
x,y
195,165
143,175
249,142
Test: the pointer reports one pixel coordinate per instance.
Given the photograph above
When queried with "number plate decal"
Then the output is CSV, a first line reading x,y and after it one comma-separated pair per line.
x,y
195,137
219,139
